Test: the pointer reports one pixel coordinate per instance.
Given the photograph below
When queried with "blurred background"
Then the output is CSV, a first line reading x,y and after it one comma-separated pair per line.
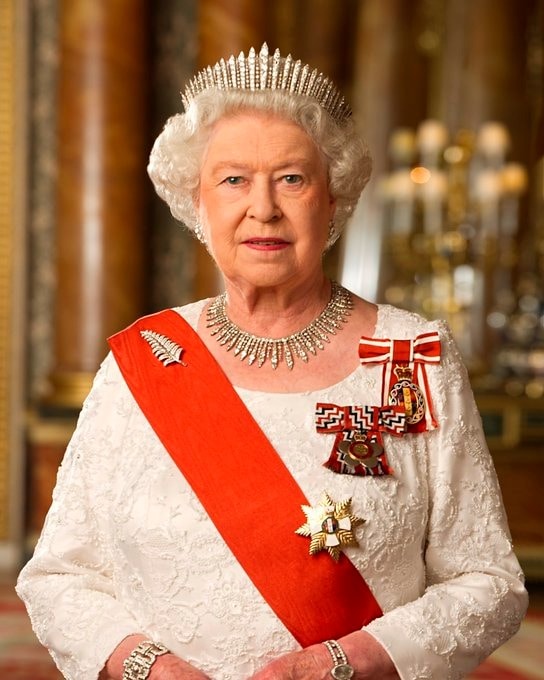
x,y
449,95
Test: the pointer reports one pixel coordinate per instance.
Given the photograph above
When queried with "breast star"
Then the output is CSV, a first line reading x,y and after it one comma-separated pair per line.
x,y
330,526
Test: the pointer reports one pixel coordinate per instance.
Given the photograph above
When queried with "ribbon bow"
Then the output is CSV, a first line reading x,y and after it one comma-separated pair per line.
x,y
358,444
404,375
333,418
424,348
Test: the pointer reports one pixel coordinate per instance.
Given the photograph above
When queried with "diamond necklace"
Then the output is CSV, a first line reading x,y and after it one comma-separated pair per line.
x,y
301,344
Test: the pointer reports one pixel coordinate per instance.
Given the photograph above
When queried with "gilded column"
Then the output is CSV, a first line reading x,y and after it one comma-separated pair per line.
x,y
102,187
14,35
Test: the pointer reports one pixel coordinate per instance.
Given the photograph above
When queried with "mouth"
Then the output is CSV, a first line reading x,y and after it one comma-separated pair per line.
x,y
266,242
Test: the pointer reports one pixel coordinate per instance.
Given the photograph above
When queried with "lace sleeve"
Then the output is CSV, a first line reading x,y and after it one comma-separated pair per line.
x,y
474,598
67,585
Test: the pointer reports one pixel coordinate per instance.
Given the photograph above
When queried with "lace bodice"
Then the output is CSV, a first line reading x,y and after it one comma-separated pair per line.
x,y
127,546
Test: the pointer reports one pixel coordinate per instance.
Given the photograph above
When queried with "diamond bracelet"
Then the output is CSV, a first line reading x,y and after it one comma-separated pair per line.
x,y
137,665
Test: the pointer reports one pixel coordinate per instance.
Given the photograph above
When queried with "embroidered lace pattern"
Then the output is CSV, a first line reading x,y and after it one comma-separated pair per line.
x,y
127,547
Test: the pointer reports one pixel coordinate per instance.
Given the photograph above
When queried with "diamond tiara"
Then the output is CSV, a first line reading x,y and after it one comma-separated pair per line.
x,y
264,72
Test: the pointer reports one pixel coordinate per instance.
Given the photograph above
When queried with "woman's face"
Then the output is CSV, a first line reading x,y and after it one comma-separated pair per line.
x,y
264,202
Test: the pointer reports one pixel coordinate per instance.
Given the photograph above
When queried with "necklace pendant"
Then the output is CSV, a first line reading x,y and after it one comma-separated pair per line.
x,y
288,356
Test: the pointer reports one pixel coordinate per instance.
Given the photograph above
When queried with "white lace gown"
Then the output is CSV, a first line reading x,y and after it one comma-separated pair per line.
x,y
127,547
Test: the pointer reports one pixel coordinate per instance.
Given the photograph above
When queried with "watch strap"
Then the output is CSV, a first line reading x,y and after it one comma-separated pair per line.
x,y
341,670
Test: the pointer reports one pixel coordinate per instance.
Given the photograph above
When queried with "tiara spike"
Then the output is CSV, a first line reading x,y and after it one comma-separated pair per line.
x,y
311,82
294,78
263,67
320,87
335,99
218,76
304,79
231,71
241,68
224,75
252,58
328,93
264,71
276,60
286,75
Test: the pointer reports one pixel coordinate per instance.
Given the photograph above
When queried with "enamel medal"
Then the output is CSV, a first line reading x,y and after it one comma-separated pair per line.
x,y
358,447
404,377
407,394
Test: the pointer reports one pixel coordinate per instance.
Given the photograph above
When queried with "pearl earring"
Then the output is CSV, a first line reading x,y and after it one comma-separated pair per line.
x,y
199,233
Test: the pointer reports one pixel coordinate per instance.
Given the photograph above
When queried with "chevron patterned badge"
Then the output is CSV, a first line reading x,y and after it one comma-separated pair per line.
x,y
334,418
358,444
329,418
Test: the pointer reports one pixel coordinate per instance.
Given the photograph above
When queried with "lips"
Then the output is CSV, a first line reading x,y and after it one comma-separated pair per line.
x,y
266,241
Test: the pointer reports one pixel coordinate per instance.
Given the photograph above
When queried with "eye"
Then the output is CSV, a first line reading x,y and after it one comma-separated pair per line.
x,y
233,180
292,179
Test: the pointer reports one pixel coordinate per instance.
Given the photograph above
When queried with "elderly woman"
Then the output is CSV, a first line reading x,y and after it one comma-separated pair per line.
x,y
285,482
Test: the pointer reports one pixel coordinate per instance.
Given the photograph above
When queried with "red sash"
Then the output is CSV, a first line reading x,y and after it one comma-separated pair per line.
x,y
241,481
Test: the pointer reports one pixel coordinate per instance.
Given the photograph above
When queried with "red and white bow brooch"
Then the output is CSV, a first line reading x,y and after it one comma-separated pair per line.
x,y
404,381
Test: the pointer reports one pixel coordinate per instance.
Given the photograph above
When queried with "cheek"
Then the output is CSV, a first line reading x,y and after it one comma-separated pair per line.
x,y
320,200
315,214
221,239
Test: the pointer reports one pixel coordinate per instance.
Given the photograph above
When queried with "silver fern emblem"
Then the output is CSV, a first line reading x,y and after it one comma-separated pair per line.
x,y
167,351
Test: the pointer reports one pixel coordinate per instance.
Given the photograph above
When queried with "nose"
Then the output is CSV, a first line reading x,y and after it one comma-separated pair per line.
x,y
263,205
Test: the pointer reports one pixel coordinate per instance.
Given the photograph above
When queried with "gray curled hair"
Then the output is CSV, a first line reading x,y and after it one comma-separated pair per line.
x,y
176,157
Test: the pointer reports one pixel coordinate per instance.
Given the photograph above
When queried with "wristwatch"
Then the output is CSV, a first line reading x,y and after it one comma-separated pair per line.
x,y
341,669
137,665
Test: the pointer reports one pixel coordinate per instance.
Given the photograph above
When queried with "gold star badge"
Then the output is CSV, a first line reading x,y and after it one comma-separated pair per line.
x,y
330,526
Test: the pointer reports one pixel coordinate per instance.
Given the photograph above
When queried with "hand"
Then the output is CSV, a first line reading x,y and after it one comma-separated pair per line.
x,y
368,657
171,667
312,663
364,653
166,666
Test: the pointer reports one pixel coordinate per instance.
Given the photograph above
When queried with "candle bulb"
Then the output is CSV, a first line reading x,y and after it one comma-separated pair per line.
x,y
432,139
514,178
493,142
487,191
402,147
433,192
514,182
401,190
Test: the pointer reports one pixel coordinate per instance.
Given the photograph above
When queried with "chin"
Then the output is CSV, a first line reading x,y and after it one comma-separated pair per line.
x,y
264,277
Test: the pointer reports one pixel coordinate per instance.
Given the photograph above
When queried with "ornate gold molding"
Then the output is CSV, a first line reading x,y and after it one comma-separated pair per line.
x,y
12,145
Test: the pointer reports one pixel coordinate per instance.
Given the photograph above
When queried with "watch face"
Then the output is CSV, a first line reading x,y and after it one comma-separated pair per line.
x,y
342,672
